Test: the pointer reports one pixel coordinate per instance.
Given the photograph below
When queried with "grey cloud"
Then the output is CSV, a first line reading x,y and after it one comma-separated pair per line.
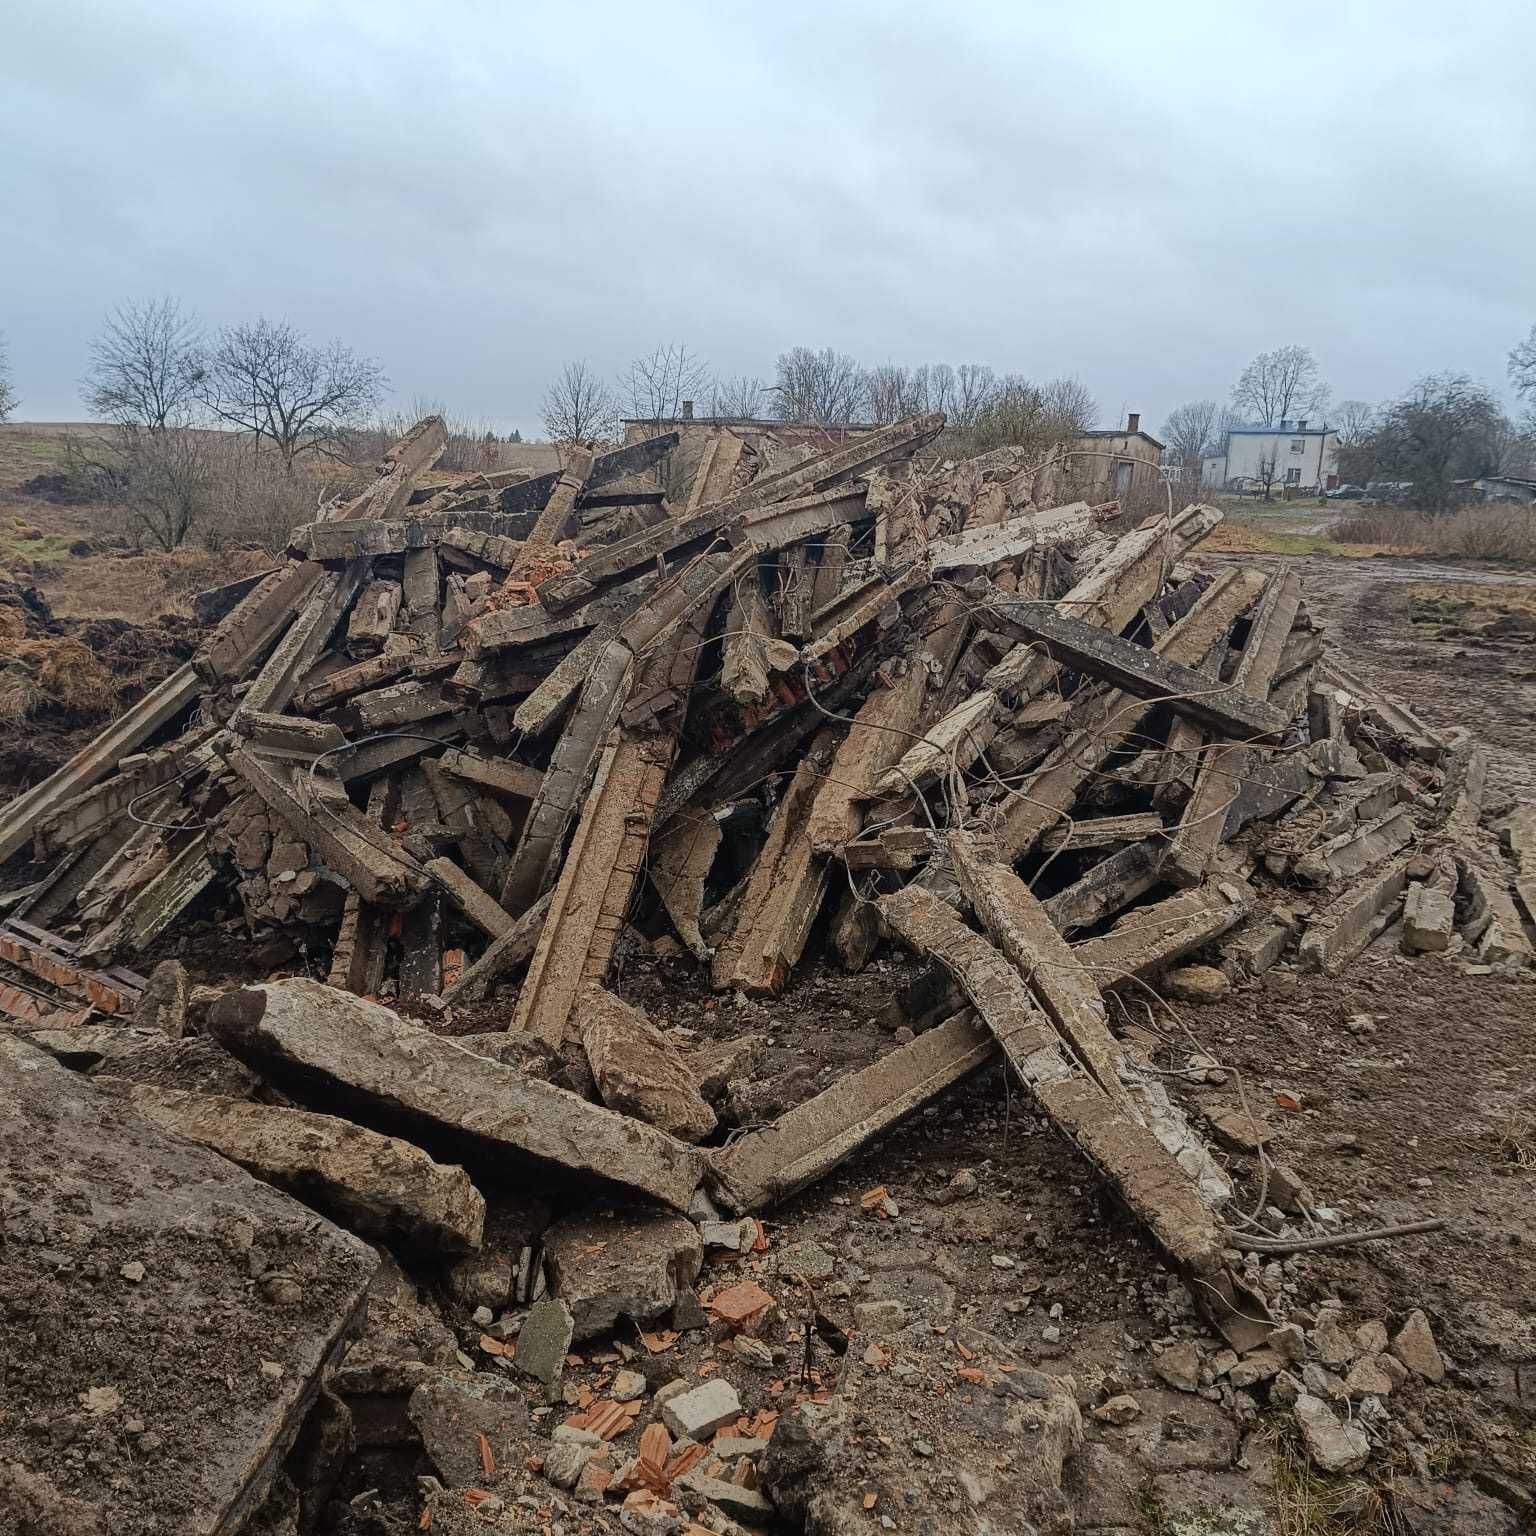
x,y
1143,196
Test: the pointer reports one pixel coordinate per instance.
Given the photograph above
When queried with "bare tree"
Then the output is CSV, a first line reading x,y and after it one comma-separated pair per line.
x,y
266,379
825,389
579,407
975,384
1522,374
1070,406
8,397
895,393
942,385
147,368
1267,471
746,397
1190,432
1280,385
1354,421
658,383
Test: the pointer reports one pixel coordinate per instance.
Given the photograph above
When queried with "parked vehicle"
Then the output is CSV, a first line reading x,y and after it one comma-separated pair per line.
x,y
1345,493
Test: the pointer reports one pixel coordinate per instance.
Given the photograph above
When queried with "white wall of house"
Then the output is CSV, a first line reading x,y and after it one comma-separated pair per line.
x,y
1303,458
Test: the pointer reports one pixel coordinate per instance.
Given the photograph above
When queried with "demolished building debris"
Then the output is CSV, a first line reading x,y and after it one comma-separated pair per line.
x,y
481,739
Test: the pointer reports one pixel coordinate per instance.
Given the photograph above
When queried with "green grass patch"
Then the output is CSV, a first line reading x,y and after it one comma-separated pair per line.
x,y
51,546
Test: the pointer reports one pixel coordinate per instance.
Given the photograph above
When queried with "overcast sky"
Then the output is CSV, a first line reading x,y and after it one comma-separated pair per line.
x,y
1143,195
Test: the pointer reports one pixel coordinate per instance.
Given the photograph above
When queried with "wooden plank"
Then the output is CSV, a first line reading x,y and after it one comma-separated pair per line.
x,y
1111,594
1193,845
1223,709
603,569
1102,722
608,851
1017,924
1149,1180
95,761
411,456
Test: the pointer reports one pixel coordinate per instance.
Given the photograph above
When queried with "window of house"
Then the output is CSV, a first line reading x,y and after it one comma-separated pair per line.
x,y
1293,477
1298,445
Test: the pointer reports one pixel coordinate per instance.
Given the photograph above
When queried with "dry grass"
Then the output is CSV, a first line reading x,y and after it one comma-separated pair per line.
x,y
1309,1505
71,678
61,676
20,697
1503,531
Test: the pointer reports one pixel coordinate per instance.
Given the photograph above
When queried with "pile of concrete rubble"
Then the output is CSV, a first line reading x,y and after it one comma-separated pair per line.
x,y
479,740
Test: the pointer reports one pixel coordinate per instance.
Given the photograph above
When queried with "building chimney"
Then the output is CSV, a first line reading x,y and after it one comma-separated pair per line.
x,y
1285,425
687,410
1301,426
1133,422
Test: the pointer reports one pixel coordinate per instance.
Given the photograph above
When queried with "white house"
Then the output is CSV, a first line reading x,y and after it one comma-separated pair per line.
x,y
1291,455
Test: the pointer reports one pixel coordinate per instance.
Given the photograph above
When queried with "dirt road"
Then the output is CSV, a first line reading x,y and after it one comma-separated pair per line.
x,y
1488,686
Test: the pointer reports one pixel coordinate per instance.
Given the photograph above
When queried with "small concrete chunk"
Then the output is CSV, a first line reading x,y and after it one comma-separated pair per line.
x,y
452,1412
744,1503
697,1413
1415,1347
638,1070
565,1461
1429,920
545,1340
611,1264
1196,984
1179,1366
1368,1378
1332,1446
163,1006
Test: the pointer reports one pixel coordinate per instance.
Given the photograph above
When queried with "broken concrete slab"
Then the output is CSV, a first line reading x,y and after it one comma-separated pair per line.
x,y
1226,711
638,1071
1344,927
1148,938
611,1264
1429,920
456,1415
1152,1183
394,1070
89,1183
773,1162
378,1186
1018,925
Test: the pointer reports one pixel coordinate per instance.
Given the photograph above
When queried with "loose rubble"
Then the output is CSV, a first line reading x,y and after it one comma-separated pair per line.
x,y
482,740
